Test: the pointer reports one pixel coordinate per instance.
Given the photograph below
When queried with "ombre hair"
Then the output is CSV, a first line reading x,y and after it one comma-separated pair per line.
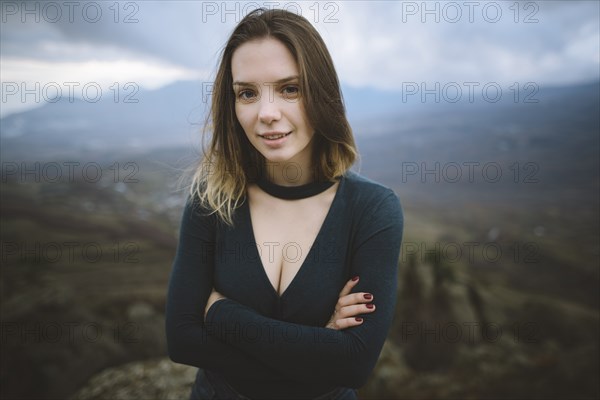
x,y
231,162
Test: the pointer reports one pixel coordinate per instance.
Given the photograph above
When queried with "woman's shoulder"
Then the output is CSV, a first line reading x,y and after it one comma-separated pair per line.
x,y
369,200
371,203
365,190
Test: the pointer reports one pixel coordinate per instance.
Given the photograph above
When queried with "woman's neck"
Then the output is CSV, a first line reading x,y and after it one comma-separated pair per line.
x,y
289,173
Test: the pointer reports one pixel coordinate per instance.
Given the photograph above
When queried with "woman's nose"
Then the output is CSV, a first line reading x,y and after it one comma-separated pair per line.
x,y
269,109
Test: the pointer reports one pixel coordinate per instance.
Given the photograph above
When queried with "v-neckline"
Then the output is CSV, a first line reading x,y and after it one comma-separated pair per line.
x,y
316,241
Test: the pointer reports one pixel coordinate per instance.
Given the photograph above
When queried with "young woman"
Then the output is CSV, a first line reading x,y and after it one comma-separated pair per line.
x,y
284,282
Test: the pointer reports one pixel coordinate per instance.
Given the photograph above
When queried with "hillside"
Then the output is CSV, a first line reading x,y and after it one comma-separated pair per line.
x,y
85,261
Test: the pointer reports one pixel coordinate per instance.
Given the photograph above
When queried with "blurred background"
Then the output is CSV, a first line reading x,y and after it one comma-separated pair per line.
x,y
482,116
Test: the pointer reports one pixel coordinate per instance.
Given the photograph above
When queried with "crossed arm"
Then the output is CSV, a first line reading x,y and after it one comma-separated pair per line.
x,y
331,354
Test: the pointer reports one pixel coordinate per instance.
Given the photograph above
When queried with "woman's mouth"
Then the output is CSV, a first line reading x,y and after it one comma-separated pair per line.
x,y
272,137
275,140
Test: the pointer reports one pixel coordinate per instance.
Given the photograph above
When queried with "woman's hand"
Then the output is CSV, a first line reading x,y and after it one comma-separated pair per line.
x,y
214,296
349,306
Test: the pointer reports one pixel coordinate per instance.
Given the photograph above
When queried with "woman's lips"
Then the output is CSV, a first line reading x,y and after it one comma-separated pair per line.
x,y
269,135
275,142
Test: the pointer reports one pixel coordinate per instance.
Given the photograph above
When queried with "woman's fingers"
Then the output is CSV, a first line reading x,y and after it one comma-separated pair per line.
x,y
346,298
350,306
355,298
344,323
354,310
348,286
348,316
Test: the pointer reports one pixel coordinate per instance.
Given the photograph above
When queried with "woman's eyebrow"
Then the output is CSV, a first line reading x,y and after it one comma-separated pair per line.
x,y
279,81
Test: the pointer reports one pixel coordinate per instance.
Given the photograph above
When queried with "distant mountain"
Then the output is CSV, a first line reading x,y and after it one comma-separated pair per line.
x,y
552,142
173,116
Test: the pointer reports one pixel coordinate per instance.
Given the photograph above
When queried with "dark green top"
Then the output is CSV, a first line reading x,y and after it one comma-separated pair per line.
x,y
270,346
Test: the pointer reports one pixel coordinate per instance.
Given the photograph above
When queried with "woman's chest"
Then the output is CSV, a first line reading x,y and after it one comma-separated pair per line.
x,y
286,263
284,235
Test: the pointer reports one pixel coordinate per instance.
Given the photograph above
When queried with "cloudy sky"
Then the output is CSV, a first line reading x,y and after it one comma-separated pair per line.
x,y
374,44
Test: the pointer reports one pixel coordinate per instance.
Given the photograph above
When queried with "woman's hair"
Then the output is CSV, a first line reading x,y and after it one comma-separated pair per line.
x,y
231,162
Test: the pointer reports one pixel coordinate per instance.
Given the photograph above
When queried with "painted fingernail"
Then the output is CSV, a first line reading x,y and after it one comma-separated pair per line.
x,y
370,305
358,319
355,278
368,296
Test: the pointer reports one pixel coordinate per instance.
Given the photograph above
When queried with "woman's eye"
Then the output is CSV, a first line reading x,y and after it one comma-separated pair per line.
x,y
245,95
290,91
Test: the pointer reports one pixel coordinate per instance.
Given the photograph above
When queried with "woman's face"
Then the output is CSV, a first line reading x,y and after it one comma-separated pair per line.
x,y
268,103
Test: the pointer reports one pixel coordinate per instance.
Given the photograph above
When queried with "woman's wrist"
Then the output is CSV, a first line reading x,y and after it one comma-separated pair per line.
x,y
212,299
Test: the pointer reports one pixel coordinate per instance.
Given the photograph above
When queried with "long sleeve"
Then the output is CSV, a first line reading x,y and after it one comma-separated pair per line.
x,y
318,354
190,285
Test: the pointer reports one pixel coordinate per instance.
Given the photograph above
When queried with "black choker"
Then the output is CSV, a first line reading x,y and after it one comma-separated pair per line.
x,y
293,192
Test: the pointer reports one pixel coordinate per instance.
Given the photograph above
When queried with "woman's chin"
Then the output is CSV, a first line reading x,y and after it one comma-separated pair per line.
x,y
272,157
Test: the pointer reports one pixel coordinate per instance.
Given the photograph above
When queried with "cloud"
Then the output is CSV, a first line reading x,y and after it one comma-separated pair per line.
x,y
383,44
28,83
172,32
377,44
104,73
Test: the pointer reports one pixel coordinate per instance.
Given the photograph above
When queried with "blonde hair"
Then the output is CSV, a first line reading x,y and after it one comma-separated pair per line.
x,y
231,162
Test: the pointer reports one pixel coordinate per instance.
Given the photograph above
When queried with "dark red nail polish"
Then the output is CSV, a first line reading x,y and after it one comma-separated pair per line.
x,y
370,305
358,319
368,296
355,278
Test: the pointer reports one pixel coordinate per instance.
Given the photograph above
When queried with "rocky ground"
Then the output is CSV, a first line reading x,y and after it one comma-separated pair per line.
x,y
152,379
